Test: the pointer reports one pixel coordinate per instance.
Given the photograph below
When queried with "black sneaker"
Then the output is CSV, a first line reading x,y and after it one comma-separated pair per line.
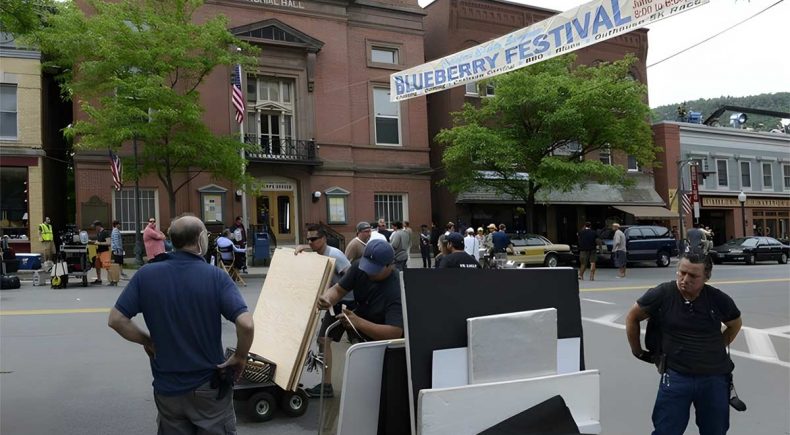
x,y
317,391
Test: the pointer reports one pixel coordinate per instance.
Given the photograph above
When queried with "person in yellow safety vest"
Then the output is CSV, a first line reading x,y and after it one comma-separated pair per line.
x,y
45,237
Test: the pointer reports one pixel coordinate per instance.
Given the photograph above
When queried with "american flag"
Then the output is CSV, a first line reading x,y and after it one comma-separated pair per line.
x,y
236,95
117,170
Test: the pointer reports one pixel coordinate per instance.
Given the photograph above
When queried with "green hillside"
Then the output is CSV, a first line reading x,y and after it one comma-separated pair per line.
x,y
779,101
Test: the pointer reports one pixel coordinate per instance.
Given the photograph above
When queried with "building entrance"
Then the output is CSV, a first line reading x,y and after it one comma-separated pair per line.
x,y
276,209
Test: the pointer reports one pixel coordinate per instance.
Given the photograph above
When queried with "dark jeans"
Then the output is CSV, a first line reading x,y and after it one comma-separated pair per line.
x,y
677,392
426,257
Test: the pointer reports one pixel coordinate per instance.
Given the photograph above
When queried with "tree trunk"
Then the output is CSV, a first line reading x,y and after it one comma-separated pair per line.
x,y
171,196
529,207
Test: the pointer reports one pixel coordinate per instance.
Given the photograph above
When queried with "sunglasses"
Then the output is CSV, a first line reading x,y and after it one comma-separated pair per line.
x,y
151,222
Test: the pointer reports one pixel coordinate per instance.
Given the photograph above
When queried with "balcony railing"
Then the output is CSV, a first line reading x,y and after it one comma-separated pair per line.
x,y
283,150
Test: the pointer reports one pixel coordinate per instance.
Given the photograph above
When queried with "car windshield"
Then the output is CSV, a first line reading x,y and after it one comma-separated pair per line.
x,y
752,241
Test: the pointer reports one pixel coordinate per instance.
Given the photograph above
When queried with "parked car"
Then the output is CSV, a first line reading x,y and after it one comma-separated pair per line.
x,y
643,243
751,249
530,249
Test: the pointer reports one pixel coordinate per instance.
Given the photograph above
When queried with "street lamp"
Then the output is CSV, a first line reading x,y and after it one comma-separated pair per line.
x,y
742,199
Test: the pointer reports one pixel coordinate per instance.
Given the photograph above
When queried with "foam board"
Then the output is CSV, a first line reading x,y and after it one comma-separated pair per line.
x,y
471,409
286,315
568,355
512,346
449,368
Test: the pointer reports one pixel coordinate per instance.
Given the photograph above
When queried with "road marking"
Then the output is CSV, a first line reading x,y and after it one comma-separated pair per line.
x,y
53,311
713,283
598,302
759,343
763,352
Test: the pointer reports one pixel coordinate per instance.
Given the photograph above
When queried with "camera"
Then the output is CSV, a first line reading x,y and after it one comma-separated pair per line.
x,y
737,404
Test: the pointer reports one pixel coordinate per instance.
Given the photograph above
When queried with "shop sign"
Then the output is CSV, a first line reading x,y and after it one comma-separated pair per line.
x,y
750,202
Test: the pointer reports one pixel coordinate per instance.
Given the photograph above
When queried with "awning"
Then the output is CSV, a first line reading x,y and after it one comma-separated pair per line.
x,y
647,212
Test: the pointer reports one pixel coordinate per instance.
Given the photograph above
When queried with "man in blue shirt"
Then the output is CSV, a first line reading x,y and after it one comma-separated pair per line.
x,y
182,300
501,240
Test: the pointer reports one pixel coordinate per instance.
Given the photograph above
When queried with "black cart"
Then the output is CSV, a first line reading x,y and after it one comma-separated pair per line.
x,y
261,396
75,256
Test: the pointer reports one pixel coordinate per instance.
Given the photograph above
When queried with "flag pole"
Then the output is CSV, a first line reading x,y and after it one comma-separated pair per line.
x,y
244,215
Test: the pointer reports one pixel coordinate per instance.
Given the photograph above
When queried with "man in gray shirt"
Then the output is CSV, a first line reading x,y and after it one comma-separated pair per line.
x,y
400,242
618,250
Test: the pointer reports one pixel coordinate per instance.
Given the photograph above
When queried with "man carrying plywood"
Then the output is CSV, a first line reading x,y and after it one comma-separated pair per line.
x,y
376,288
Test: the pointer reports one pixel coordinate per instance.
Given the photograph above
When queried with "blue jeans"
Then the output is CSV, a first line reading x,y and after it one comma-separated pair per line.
x,y
676,393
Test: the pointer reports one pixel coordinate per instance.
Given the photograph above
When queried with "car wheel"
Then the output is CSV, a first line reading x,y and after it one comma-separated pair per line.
x,y
663,259
551,261
262,406
750,259
783,258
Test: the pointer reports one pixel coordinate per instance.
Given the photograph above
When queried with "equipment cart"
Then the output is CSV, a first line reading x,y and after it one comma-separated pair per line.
x,y
261,395
75,259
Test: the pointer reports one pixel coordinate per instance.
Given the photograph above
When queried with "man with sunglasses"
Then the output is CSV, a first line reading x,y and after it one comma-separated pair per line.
x,y
694,361
316,239
378,314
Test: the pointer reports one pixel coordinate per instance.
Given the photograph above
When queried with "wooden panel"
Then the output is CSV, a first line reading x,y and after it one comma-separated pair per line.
x,y
286,315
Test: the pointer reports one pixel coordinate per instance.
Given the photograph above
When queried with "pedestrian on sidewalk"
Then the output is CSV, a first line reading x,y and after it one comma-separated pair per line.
x,y
425,246
399,239
46,238
619,253
588,250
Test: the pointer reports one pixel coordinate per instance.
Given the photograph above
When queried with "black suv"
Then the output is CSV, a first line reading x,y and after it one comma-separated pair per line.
x,y
643,243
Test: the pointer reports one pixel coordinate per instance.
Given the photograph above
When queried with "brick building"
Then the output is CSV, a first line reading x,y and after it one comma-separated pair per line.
x,y
455,25
332,147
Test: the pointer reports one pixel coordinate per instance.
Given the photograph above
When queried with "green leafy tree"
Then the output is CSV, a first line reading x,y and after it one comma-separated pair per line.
x,y
136,67
20,17
534,134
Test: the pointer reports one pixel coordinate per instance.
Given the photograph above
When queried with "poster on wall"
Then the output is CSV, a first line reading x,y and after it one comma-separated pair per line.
x,y
212,210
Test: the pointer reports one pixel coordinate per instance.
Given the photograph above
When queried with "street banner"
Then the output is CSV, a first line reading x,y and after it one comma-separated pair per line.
x,y
569,31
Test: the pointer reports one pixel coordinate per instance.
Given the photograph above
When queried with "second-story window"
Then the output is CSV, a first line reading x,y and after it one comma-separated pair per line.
x,y
768,178
633,164
746,175
8,111
721,173
605,156
270,122
786,176
387,113
384,55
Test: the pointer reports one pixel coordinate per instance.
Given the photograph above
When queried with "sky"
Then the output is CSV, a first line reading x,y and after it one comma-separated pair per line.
x,y
751,58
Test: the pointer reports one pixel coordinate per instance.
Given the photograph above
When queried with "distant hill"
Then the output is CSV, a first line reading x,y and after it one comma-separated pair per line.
x,y
779,101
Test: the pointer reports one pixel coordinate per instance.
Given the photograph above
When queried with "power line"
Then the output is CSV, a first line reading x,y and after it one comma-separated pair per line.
x,y
713,36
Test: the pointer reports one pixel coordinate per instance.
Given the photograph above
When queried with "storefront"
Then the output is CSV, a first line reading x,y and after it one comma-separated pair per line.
x,y
763,217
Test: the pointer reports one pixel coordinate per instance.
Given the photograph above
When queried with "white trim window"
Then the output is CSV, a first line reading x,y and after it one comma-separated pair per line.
x,y
722,174
8,111
392,207
471,89
387,118
768,176
384,55
746,175
270,115
633,164
123,207
605,155
786,175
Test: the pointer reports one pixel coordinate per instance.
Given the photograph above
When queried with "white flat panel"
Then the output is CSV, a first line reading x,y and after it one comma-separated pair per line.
x,y
474,408
449,368
568,355
512,346
359,400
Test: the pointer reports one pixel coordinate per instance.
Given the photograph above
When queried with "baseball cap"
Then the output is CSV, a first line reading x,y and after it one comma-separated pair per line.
x,y
363,226
490,226
470,230
456,239
378,255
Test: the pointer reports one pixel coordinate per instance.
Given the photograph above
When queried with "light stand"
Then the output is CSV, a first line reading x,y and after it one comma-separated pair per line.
x,y
742,199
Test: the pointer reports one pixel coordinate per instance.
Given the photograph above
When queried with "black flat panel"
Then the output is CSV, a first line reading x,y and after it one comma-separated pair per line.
x,y
438,302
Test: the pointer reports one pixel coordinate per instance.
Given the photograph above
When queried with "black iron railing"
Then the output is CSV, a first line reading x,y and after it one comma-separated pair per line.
x,y
285,150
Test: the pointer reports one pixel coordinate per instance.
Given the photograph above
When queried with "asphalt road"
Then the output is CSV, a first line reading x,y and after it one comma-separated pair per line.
x,y
62,370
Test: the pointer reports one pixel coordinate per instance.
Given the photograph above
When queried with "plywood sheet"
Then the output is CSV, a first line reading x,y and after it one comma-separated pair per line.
x,y
474,408
507,347
286,312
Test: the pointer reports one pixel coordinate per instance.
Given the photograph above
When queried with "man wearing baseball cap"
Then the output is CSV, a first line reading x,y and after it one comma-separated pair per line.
x,y
457,257
378,315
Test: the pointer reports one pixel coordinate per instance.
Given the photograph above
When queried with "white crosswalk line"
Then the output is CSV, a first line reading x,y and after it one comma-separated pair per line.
x,y
759,343
598,302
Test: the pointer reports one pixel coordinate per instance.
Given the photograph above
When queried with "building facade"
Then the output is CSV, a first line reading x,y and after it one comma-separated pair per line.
x,y
732,161
455,25
333,149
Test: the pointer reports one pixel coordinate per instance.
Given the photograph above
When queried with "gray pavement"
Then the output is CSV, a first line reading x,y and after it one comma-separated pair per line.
x,y
62,370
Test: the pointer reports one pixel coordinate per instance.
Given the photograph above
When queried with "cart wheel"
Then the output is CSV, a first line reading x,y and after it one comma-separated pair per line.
x,y
294,403
262,406
84,280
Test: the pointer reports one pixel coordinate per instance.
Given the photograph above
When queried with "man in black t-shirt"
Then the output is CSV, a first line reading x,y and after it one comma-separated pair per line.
x,y
457,257
695,365
588,245
378,314
102,250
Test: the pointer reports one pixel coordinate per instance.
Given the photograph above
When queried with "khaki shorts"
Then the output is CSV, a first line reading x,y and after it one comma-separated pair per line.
x,y
588,257
196,412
